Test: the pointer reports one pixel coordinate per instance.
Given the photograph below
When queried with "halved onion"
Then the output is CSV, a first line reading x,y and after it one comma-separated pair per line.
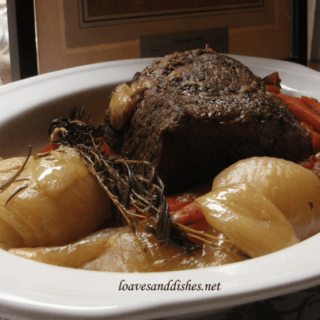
x,y
121,250
55,200
248,219
73,255
294,190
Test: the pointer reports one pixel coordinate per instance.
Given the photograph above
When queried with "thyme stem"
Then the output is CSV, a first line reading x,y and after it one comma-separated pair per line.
x,y
18,172
128,183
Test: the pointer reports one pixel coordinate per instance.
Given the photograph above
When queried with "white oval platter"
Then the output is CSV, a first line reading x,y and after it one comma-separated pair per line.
x,y
31,290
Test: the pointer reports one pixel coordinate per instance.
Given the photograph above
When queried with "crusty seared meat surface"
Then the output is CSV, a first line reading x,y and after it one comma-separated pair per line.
x,y
205,112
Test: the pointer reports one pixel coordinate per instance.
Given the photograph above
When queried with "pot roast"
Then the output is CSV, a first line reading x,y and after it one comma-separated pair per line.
x,y
195,113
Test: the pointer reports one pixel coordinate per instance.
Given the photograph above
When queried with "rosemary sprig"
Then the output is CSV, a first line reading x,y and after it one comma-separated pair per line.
x,y
17,173
128,183
15,192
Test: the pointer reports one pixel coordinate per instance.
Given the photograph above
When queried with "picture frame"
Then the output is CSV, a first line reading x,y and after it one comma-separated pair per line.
x,y
26,50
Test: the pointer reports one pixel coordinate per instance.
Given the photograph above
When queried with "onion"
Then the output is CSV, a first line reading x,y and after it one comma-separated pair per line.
x,y
248,219
62,201
121,250
294,190
73,255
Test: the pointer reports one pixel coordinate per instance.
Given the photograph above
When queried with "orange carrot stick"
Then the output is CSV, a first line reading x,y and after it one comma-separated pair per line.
x,y
189,214
301,111
312,103
175,204
307,127
316,142
309,164
273,79
49,148
273,89
107,149
314,135
308,99
202,225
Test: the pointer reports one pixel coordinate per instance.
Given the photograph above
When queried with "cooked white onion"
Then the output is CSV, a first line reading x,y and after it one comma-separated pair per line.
x,y
294,190
248,219
62,201
121,250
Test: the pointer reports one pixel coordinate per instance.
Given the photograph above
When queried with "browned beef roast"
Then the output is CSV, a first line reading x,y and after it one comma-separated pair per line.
x,y
205,112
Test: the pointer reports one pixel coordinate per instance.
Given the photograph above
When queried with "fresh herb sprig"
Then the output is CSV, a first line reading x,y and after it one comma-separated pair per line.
x,y
130,184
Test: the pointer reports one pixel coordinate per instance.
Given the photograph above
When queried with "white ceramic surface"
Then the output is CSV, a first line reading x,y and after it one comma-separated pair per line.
x,y
30,290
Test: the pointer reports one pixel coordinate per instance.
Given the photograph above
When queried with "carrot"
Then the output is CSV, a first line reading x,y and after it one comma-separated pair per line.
x,y
310,163
202,225
307,126
301,111
307,99
273,89
53,146
312,103
189,214
313,164
175,204
316,142
273,79
314,135
107,149
49,148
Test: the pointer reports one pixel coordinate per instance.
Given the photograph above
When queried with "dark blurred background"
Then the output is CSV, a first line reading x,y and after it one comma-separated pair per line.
x,y
51,35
